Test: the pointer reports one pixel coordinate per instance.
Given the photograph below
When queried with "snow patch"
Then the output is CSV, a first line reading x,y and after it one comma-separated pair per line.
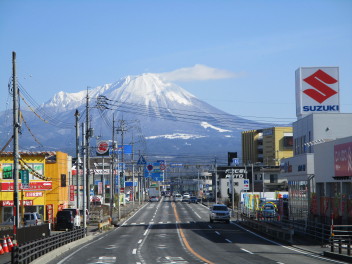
x,y
207,125
176,136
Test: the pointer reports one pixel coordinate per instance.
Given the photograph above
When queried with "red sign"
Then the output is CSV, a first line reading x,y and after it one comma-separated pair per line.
x,y
50,213
11,203
33,194
343,160
102,147
321,91
43,185
72,193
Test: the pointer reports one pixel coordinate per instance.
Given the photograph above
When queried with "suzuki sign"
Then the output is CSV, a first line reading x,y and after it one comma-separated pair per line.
x,y
317,90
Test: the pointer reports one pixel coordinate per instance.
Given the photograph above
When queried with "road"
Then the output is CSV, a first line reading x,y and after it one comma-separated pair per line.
x,y
180,233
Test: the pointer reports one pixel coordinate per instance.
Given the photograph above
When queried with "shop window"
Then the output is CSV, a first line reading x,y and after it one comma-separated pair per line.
x,y
63,180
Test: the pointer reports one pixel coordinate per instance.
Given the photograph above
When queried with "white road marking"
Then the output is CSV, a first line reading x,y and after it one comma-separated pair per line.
x,y
160,222
134,251
140,241
247,251
133,223
142,223
287,247
210,226
228,240
197,215
218,233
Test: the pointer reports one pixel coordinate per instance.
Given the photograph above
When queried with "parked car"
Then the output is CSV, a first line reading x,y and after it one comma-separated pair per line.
x,y
193,199
219,212
30,219
268,211
178,197
154,199
76,215
65,220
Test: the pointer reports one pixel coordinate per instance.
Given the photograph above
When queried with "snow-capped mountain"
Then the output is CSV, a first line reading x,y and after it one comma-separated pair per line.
x,y
160,117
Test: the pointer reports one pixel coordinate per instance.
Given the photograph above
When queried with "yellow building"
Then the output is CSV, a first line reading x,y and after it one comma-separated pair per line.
x,y
267,146
48,188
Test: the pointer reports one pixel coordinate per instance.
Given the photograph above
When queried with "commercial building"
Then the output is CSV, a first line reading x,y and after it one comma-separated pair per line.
x,y
47,190
316,192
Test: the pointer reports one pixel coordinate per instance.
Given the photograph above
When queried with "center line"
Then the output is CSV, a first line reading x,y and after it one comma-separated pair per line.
x,y
140,241
134,251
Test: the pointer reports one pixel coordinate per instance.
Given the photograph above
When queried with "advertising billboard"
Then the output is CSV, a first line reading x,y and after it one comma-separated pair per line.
x,y
317,90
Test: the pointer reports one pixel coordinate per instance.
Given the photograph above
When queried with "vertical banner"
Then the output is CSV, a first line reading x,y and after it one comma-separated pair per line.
x,y
72,193
100,187
50,213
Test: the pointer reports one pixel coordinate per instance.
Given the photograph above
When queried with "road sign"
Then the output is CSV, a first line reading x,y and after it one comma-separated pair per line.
x,y
246,184
141,161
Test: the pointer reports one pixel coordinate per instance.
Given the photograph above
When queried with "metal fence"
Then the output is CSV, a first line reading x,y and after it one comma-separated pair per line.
x,y
27,252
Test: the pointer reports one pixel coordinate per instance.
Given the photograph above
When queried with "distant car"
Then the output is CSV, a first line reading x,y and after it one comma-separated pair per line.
x,y
76,215
31,219
185,197
178,197
268,211
193,199
219,212
154,199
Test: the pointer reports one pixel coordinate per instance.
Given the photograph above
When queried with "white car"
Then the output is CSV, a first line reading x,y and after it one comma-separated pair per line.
x,y
154,199
178,197
185,197
219,212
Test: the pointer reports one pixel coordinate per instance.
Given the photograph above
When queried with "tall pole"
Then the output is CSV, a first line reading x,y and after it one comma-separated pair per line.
x,y
216,182
84,201
133,189
87,136
16,126
77,157
252,178
112,177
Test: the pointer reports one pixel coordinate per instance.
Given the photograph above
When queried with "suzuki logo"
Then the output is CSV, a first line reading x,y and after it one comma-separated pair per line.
x,y
318,80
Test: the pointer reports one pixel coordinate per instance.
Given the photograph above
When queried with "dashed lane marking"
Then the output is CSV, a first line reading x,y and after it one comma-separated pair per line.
x,y
245,250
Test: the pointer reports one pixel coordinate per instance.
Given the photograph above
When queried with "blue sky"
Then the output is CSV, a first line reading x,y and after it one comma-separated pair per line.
x,y
252,48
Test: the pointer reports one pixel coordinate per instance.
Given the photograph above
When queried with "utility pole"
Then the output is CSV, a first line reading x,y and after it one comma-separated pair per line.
x,y
84,201
77,115
216,182
88,134
112,181
133,189
16,126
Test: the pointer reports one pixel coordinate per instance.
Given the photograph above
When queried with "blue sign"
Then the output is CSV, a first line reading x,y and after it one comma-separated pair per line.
x,y
141,161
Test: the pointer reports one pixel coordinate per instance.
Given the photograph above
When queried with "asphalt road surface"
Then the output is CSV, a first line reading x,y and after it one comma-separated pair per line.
x,y
180,233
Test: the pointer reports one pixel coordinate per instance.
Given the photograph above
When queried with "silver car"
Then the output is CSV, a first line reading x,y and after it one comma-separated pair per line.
x,y
219,212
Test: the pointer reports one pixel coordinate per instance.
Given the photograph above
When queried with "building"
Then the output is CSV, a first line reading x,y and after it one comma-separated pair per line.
x,y
267,146
332,198
47,190
300,170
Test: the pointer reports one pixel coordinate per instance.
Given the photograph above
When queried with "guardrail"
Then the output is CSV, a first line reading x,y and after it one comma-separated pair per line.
x,y
27,252
283,234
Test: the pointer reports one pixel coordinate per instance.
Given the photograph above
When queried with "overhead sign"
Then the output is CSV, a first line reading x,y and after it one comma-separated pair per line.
x,y
317,90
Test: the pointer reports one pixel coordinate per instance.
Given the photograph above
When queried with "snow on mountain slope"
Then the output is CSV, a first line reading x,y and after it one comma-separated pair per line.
x,y
170,118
